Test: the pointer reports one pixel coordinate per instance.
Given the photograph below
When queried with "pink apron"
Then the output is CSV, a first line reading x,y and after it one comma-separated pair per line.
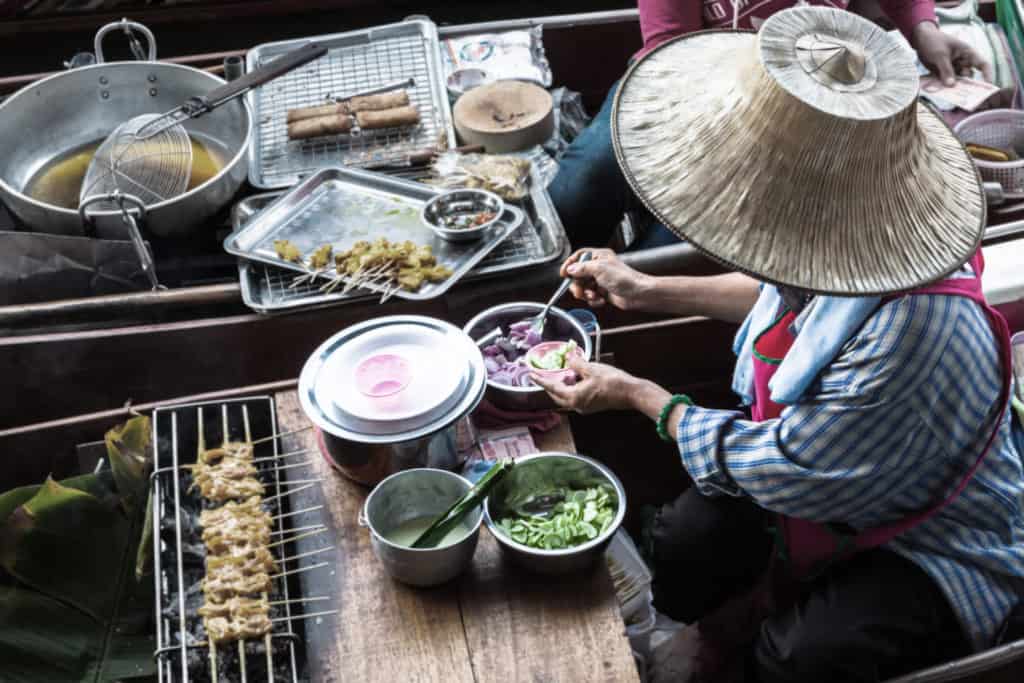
x,y
809,546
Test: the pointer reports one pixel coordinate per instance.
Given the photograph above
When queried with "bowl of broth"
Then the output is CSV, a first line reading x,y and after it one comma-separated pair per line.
x,y
402,507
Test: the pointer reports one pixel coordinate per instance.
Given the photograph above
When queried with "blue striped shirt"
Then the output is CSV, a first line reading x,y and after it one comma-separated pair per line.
x,y
888,429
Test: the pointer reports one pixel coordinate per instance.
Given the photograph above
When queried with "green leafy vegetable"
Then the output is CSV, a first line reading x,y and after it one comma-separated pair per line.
x,y
70,607
581,516
472,499
554,360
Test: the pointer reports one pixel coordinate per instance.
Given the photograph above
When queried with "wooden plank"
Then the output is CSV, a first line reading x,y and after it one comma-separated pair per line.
x,y
495,623
530,628
385,631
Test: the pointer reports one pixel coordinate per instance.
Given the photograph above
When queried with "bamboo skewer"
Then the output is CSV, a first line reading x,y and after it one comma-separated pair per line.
x,y
266,637
305,616
298,530
202,447
295,538
282,455
293,601
309,554
299,570
278,436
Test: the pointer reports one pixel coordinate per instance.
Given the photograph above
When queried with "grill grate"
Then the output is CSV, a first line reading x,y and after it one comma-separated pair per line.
x,y
356,62
183,653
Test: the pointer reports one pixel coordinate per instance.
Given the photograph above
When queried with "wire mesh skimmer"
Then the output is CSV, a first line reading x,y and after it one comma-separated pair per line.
x,y
148,159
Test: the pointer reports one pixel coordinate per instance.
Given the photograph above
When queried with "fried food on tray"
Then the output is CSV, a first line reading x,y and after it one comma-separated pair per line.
x,y
397,117
407,264
237,627
302,113
287,251
333,124
321,257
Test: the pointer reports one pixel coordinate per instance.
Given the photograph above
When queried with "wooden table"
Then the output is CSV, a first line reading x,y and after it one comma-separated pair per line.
x,y
494,623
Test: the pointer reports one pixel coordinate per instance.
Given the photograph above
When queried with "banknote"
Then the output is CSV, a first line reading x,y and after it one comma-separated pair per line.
x,y
967,93
506,443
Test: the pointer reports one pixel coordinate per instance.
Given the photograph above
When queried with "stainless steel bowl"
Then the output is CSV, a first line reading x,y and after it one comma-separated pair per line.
x,y
537,473
560,326
457,203
414,494
462,81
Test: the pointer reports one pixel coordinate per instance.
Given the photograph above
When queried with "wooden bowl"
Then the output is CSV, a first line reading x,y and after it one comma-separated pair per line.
x,y
505,116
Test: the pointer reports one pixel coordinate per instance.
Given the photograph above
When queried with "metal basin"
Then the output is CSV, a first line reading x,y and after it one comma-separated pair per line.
x,y
412,495
49,119
560,326
537,473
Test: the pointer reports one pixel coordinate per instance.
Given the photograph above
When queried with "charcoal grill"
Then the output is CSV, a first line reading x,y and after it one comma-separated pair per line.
x,y
183,653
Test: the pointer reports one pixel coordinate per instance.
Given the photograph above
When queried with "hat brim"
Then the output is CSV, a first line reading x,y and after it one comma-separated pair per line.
x,y
890,219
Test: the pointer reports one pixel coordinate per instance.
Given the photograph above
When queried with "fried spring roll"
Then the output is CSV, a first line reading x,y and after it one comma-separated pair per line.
x,y
388,118
385,100
322,125
316,112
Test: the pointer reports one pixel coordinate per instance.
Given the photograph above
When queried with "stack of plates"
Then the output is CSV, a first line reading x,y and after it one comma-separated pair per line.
x,y
392,379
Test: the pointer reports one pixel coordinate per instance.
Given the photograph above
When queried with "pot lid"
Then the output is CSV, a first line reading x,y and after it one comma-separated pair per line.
x,y
392,379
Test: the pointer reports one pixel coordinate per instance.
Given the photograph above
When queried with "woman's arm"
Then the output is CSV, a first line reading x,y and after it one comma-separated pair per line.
x,y
664,19
727,297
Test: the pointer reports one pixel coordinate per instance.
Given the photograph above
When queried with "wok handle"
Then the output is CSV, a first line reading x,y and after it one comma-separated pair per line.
x,y
129,218
278,67
127,27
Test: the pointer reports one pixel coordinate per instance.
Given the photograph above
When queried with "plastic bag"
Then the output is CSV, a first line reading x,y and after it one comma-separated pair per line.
x,y
570,120
505,175
513,55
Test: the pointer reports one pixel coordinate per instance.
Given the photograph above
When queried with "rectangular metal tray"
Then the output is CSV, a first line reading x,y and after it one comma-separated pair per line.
x,y
356,61
340,207
265,288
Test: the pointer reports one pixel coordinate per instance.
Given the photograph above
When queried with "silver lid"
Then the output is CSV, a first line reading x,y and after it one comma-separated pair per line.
x,y
392,379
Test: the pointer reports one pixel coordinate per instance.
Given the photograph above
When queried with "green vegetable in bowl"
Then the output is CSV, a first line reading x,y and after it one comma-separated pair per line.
x,y
555,360
581,516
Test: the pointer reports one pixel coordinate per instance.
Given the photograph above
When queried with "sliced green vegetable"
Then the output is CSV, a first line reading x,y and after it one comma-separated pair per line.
x,y
581,516
554,360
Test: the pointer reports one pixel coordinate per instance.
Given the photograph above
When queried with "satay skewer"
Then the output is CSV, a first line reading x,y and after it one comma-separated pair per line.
x,y
266,637
278,436
201,442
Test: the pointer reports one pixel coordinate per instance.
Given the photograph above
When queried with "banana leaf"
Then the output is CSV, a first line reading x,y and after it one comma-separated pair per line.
x,y
70,606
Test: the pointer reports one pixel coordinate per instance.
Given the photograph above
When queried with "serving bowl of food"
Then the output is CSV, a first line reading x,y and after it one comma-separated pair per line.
x,y
508,376
465,215
555,513
402,507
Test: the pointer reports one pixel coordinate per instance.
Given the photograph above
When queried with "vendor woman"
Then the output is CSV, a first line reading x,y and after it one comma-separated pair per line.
x,y
589,191
878,446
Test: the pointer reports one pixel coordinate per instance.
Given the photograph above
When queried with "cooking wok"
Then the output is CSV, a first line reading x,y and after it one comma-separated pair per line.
x,y
53,117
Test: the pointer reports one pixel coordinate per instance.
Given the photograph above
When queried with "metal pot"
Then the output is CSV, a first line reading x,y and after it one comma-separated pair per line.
x,y
552,470
415,494
367,450
58,115
560,326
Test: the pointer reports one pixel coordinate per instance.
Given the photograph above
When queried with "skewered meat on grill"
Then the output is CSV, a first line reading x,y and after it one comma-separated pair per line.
x,y
233,512
219,489
223,540
251,561
241,606
233,449
231,582
221,629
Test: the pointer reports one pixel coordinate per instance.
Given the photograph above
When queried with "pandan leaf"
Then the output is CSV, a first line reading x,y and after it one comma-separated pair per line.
x,y
130,453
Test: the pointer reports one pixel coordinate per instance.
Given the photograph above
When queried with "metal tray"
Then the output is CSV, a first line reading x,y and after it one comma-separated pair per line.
x,y
340,207
356,61
265,289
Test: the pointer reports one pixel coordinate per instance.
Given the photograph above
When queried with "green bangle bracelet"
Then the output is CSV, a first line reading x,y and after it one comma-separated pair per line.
x,y
666,411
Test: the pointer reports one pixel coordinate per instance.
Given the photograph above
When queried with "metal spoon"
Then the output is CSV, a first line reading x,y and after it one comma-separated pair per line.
x,y
538,322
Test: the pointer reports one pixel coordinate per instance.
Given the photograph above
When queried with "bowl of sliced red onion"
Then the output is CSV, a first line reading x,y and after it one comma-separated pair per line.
x,y
509,385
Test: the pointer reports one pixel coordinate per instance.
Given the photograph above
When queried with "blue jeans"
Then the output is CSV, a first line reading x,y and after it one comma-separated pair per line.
x,y
590,192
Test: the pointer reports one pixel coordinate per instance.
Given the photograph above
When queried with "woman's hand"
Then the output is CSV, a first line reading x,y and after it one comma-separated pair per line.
x,y
945,55
599,387
606,279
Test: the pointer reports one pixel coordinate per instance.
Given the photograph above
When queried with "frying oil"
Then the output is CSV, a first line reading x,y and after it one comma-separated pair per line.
x,y
60,181
406,533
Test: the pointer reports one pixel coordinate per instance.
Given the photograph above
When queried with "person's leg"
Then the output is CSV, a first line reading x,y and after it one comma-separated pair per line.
x,y
656,235
704,550
873,617
589,191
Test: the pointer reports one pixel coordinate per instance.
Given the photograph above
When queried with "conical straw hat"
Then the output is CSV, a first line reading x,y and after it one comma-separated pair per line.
x,y
800,155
